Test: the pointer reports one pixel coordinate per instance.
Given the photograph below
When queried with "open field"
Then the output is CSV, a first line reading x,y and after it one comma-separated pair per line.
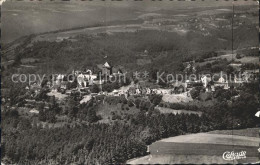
x,y
251,132
162,148
214,139
176,98
248,59
191,148
230,57
186,159
107,110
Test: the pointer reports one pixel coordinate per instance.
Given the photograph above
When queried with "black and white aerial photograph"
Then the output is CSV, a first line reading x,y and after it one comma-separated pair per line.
x,y
95,82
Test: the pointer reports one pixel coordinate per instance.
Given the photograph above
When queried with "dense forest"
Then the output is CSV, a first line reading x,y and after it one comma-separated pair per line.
x,y
165,49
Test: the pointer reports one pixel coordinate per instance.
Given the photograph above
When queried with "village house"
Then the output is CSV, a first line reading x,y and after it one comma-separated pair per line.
x,y
205,80
58,79
106,69
48,84
82,82
222,82
63,85
68,92
85,78
55,87
148,91
139,91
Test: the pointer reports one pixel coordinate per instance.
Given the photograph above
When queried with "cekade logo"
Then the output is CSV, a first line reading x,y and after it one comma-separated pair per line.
x,y
234,155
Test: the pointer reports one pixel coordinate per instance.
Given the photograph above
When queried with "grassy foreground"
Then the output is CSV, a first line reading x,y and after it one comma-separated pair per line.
x,y
203,148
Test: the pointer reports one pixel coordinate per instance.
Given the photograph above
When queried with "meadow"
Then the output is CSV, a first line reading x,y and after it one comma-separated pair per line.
x,y
191,148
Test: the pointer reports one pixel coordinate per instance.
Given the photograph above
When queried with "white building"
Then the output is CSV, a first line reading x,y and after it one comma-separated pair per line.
x,y
86,78
59,79
205,80
221,80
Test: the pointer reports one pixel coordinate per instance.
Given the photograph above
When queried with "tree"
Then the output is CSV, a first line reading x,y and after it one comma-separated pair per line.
x,y
154,74
222,94
137,102
91,116
95,89
126,80
145,105
194,93
229,70
107,87
44,82
42,115
13,113
238,56
89,145
51,118
130,103
42,95
180,67
24,124
73,84
115,85
17,59
155,99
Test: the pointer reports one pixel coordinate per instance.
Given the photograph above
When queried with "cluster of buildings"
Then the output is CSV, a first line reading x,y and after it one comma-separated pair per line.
x,y
140,91
82,79
211,80
87,78
226,82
